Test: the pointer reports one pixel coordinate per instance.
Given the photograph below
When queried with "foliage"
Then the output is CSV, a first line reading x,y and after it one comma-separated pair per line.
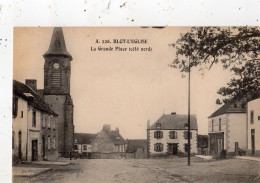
x,y
236,48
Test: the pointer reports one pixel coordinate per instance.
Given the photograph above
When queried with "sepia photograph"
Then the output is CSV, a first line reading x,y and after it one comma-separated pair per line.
x,y
136,104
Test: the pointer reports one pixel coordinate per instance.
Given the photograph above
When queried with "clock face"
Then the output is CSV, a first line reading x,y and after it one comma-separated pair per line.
x,y
56,65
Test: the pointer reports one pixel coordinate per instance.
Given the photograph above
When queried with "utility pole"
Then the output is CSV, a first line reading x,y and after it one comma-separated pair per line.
x,y
189,116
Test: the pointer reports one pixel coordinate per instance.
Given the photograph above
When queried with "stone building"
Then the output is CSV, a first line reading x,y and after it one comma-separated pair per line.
x,y
56,93
136,148
82,144
108,144
227,128
253,122
29,110
169,135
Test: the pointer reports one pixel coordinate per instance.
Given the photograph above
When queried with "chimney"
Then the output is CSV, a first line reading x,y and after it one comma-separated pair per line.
x,y
148,123
173,113
117,130
107,128
32,83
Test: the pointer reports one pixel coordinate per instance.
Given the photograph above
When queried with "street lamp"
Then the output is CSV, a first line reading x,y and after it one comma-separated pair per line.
x,y
189,116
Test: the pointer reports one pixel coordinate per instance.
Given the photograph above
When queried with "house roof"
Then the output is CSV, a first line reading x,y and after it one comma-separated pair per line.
x,y
117,138
133,145
31,97
174,121
57,45
234,106
84,138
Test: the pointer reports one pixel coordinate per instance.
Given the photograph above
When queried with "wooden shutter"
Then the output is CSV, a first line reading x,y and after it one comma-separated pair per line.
x,y
161,147
161,134
155,147
185,134
15,106
154,134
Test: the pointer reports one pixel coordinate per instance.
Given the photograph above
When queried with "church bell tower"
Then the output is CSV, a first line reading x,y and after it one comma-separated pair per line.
x,y
57,67
57,71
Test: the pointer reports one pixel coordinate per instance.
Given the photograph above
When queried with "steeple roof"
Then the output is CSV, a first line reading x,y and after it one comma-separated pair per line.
x,y
57,45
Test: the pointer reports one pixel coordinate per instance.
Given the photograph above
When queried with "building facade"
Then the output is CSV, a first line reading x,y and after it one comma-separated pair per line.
x,y
253,122
82,144
57,72
227,128
169,135
136,148
108,144
28,111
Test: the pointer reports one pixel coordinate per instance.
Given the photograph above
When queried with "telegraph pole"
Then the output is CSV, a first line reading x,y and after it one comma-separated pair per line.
x,y
189,116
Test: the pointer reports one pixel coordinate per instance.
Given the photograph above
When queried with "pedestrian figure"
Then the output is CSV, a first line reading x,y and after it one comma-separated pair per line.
x,y
71,153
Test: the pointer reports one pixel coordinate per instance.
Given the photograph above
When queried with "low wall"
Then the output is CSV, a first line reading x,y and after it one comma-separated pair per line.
x,y
113,155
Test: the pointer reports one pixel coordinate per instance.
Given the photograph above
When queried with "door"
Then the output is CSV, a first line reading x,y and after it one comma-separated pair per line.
x,y
253,140
34,150
43,146
173,148
20,145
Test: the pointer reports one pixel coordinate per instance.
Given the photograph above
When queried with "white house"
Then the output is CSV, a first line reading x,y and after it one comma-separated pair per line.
x,y
82,143
227,128
253,121
169,135
28,109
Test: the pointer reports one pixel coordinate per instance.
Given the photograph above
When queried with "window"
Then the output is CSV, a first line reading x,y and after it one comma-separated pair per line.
x,y
252,117
54,142
15,106
48,122
54,123
173,135
49,142
84,147
158,147
219,124
212,125
43,121
186,135
158,125
158,134
56,75
21,114
34,118
258,118
186,147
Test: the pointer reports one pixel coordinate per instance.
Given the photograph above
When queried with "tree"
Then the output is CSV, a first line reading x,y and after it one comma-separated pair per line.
x,y
236,48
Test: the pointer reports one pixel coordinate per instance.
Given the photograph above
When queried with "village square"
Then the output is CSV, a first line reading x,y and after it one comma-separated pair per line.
x,y
47,148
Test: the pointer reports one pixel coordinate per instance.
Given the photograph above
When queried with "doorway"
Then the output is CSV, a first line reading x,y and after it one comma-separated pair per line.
x,y
253,140
173,148
43,146
34,150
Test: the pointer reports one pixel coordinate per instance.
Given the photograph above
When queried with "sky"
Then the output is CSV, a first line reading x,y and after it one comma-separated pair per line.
x,y
124,89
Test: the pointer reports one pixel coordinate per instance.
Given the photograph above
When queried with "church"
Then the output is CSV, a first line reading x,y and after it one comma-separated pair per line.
x,y
56,93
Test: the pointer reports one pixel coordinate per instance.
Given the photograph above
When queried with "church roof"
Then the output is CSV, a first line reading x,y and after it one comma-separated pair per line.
x,y
57,45
174,121
31,97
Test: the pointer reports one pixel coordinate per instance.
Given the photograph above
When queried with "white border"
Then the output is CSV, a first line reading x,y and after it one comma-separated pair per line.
x,y
103,13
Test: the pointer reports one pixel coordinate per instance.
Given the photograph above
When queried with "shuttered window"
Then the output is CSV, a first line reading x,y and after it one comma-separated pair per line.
x,y
173,134
158,134
158,147
56,77
15,106
186,135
